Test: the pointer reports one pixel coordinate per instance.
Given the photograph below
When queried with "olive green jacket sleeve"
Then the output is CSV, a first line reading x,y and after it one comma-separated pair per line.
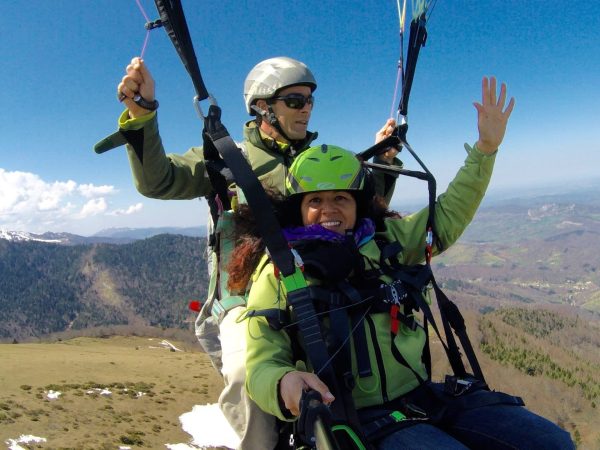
x,y
454,210
156,174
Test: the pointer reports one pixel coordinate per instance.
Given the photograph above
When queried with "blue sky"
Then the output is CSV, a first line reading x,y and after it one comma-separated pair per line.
x,y
62,60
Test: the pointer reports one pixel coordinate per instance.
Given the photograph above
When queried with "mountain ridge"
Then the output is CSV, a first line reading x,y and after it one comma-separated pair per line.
x,y
106,236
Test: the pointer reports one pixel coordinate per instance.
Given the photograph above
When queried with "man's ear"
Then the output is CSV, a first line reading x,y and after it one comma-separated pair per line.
x,y
268,117
262,104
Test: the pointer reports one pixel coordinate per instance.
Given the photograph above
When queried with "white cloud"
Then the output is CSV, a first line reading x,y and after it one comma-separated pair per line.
x,y
90,191
24,192
93,208
126,212
54,193
27,202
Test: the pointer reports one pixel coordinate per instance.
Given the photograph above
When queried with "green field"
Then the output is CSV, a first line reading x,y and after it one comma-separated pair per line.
x,y
151,388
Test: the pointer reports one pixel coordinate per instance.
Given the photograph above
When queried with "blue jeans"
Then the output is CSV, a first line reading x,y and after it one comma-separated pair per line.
x,y
496,427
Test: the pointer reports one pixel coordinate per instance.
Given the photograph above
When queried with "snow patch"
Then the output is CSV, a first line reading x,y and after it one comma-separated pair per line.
x,y
98,391
165,344
52,395
208,428
13,444
23,236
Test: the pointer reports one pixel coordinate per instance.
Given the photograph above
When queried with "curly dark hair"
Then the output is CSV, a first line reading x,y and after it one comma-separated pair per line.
x,y
249,246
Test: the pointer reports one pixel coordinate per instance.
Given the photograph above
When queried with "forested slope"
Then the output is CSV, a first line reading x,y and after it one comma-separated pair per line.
x,y
47,288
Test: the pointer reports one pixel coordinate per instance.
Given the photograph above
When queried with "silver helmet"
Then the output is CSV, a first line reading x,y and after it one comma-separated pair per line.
x,y
273,74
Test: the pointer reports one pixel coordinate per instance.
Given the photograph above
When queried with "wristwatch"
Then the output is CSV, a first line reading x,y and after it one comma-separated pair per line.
x,y
143,103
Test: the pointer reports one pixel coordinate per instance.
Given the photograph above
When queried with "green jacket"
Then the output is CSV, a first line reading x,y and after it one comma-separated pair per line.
x,y
175,176
269,352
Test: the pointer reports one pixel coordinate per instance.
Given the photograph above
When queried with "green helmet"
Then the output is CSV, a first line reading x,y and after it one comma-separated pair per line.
x,y
325,168
271,75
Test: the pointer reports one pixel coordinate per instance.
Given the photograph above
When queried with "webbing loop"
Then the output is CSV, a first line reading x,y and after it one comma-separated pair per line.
x,y
173,20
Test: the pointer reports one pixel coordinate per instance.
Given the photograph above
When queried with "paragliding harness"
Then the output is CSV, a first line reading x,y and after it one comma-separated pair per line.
x,y
324,318
340,425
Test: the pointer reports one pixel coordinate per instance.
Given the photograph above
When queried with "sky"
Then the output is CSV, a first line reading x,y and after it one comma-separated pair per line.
x,y
62,60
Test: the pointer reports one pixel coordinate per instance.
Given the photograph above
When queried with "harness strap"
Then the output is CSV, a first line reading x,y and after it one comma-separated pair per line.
x,y
220,178
417,38
275,317
359,335
220,307
173,20
389,252
457,395
386,421
266,221
450,315
338,340
454,318
473,401
400,358
310,329
417,284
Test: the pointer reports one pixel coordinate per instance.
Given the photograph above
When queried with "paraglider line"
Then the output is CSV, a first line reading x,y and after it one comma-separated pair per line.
x,y
141,8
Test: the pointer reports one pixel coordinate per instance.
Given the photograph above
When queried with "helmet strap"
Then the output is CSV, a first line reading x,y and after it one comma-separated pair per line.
x,y
275,123
270,117
259,111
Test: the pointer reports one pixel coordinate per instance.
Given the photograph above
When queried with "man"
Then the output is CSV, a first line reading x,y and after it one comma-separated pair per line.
x,y
279,93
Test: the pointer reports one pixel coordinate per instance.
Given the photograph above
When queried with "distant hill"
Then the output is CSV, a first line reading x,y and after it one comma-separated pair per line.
x,y
142,233
535,252
541,250
548,356
59,238
47,288
107,236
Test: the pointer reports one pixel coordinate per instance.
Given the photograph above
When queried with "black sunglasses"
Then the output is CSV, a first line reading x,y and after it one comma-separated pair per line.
x,y
295,101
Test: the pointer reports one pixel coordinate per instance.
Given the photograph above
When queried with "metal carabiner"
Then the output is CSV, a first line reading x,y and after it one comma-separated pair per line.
x,y
211,99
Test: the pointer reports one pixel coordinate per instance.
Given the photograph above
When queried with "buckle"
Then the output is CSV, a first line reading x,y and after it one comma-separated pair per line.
x,y
394,293
413,411
457,386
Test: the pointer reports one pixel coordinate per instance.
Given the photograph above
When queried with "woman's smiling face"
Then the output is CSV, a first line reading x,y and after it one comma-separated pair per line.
x,y
334,210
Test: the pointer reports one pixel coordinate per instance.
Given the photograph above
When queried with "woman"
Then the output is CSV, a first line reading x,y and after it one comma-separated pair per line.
x,y
341,233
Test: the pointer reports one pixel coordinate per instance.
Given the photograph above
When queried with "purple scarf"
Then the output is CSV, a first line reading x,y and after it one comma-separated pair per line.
x,y
363,232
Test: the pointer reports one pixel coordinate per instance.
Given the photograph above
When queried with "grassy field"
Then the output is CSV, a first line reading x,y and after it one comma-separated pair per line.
x,y
151,387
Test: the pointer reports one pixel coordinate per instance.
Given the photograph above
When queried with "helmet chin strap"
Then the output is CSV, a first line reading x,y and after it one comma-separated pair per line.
x,y
270,117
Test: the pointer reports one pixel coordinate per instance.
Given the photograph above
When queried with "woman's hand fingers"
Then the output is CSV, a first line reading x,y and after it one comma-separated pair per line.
x,y
294,383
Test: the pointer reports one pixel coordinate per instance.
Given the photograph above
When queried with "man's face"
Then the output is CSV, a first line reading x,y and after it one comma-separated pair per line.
x,y
293,122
